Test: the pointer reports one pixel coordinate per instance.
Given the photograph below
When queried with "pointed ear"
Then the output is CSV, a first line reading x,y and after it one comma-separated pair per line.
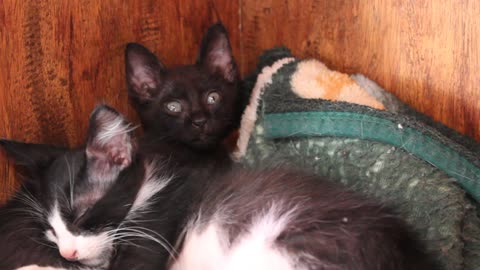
x,y
143,70
32,157
216,53
110,145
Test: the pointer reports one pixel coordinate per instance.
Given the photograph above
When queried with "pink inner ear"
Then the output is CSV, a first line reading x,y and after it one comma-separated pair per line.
x,y
220,57
221,60
143,80
117,151
111,143
107,161
121,160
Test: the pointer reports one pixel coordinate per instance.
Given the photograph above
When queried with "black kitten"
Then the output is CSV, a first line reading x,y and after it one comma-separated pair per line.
x,y
187,111
102,205
279,219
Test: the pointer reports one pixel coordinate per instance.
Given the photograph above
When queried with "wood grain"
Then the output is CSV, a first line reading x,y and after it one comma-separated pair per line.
x,y
60,58
425,52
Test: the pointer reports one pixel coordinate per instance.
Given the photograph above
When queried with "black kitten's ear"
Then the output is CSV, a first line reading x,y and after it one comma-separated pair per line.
x,y
216,53
110,145
31,156
143,71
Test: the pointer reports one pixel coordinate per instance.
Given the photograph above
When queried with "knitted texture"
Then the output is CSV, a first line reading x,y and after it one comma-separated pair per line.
x,y
426,171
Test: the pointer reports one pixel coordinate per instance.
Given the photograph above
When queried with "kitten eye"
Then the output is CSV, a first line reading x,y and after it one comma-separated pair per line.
x,y
213,98
174,106
48,228
52,231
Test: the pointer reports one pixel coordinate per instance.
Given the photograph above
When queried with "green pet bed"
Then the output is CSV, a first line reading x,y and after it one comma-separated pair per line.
x,y
428,172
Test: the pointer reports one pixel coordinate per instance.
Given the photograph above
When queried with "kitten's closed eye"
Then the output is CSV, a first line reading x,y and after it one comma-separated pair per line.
x,y
50,232
51,235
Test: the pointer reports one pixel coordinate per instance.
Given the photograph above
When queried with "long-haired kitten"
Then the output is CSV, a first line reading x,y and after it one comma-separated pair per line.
x,y
101,206
187,111
285,220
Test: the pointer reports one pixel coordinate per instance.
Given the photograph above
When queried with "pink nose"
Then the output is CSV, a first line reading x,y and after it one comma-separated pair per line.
x,y
69,254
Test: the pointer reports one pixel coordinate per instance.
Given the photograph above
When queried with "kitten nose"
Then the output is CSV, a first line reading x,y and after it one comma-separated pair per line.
x,y
69,254
199,122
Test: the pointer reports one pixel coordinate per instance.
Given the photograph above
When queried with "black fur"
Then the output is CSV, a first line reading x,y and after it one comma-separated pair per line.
x,y
22,238
51,172
331,227
190,139
165,217
190,142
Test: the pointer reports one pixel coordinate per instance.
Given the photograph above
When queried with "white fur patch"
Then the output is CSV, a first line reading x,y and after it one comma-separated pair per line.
x,y
204,250
207,248
249,116
112,129
91,250
153,184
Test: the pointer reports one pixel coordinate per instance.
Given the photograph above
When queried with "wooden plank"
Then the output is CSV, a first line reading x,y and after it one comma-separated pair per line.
x,y
425,52
61,58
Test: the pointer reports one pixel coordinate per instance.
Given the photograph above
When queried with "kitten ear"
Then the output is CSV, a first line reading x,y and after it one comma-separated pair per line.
x,y
110,144
31,156
216,53
143,71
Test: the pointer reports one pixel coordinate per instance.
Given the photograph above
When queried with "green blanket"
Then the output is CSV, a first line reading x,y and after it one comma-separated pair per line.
x,y
428,172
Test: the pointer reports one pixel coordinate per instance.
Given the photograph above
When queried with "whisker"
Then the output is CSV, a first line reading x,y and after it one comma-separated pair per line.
x,y
43,243
70,180
141,232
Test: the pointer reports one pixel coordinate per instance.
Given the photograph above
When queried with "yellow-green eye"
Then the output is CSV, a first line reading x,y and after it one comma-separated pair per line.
x,y
174,106
213,98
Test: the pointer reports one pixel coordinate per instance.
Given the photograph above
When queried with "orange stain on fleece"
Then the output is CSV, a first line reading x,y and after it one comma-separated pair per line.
x,y
313,80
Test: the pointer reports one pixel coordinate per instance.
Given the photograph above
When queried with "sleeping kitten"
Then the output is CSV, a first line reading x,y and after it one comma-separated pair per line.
x,y
187,111
81,209
279,219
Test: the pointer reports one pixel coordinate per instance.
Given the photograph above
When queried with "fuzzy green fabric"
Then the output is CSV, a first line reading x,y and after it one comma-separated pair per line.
x,y
428,172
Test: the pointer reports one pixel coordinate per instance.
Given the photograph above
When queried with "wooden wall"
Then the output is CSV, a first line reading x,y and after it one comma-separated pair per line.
x,y
60,58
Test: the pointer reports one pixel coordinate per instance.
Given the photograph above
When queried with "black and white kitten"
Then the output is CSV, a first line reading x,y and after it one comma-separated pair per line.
x,y
103,204
285,220
187,111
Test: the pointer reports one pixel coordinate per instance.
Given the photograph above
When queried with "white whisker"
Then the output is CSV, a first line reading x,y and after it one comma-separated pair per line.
x,y
140,232
70,180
